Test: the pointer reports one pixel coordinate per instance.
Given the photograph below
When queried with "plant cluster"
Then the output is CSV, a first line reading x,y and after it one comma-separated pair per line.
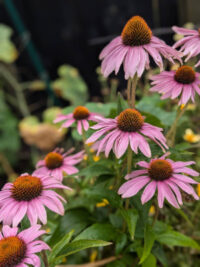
x,y
131,200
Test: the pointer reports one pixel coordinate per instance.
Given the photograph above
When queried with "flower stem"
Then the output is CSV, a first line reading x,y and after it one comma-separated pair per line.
x,y
131,89
171,134
129,159
129,167
86,147
44,257
156,216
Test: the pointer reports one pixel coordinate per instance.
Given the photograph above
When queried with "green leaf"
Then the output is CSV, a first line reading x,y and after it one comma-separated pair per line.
x,y
131,218
150,261
102,231
143,211
8,51
121,103
159,253
149,239
79,245
173,238
95,169
60,245
9,134
70,85
120,243
101,108
98,193
151,104
77,219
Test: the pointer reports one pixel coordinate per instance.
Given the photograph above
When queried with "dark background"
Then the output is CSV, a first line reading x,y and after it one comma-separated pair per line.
x,y
75,31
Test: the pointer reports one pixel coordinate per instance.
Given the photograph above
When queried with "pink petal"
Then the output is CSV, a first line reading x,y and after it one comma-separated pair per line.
x,y
148,192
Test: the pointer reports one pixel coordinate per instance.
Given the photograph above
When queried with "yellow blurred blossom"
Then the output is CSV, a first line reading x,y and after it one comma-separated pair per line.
x,y
103,203
90,144
85,157
96,158
191,137
189,107
110,187
48,230
198,190
93,255
64,260
152,210
91,150
175,66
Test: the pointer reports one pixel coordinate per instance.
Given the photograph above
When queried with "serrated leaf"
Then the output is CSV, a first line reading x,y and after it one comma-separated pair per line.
x,y
60,245
149,239
131,217
173,238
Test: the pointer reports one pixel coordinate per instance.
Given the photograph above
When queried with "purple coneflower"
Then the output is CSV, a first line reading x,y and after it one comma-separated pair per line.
x,y
190,44
81,115
19,249
184,81
126,129
165,175
133,47
56,163
28,195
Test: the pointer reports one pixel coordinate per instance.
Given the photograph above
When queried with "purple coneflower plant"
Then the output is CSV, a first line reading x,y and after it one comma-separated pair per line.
x,y
28,195
81,115
19,249
56,163
190,43
184,81
133,47
165,175
126,129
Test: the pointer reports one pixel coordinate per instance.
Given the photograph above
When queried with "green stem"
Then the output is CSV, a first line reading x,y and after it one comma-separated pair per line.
x,y
129,159
129,168
86,147
16,86
156,216
196,211
45,259
129,91
133,90
171,134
